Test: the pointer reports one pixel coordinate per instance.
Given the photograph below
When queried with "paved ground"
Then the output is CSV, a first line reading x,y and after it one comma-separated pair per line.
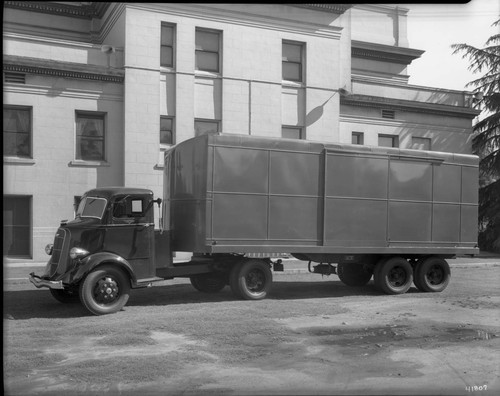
x,y
313,335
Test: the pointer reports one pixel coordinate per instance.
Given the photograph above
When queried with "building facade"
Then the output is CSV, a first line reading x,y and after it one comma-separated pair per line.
x,y
95,92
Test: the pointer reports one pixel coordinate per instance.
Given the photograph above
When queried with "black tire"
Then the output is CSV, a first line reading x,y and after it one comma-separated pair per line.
x,y
105,290
65,296
251,279
432,274
354,274
209,283
393,275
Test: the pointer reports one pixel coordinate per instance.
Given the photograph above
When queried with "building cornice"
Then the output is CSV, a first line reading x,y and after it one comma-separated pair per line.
x,y
86,11
334,8
390,53
19,64
408,105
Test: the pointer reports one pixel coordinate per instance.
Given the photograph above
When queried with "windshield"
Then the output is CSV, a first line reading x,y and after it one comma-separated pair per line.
x,y
91,207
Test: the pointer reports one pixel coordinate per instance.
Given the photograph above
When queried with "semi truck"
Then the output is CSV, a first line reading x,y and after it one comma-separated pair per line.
x,y
233,201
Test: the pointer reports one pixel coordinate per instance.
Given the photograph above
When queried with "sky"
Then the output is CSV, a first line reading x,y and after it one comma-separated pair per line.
x,y
435,27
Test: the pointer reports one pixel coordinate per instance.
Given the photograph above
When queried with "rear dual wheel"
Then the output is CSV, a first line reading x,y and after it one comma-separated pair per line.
x,y
432,274
393,275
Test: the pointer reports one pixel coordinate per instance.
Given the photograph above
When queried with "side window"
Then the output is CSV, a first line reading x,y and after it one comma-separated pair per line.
x,y
289,132
292,61
207,50
17,130
167,136
90,136
357,138
205,127
167,45
388,141
128,209
419,143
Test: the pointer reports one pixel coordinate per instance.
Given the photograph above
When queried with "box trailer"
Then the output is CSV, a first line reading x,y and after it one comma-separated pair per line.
x,y
357,211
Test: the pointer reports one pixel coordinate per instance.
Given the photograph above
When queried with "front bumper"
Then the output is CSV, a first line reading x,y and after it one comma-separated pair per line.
x,y
39,282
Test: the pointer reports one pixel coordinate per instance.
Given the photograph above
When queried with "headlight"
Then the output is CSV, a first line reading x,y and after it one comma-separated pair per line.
x,y
49,248
77,252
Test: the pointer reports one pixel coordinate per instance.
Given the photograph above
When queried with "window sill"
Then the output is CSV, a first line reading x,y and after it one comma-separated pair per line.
x,y
19,161
295,84
88,164
207,74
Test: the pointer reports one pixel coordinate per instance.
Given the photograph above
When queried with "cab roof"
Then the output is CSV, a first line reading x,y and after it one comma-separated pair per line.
x,y
110,192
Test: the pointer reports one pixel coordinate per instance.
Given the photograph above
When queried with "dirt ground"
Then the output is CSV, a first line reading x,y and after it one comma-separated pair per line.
x,y
312,335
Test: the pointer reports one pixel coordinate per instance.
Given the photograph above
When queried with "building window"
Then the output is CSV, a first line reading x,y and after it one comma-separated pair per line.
x,y
358,138
167,137
17,226
419,143
205,127
17,131
388,141
207,50
288,132
292,59
167,45
90,136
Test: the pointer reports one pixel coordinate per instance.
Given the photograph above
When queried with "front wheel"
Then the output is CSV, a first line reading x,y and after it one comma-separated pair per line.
x,y
251,279
65,296
393,275
432,274
105,290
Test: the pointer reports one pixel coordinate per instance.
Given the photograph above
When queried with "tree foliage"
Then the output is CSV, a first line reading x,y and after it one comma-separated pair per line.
x,y
486,141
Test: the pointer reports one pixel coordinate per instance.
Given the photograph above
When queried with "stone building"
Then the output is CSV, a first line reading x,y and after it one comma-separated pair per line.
x,y
94,92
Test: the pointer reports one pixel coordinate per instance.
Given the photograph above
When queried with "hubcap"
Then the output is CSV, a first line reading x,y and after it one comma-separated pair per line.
x,y
397,277
435,275
106,291
255,281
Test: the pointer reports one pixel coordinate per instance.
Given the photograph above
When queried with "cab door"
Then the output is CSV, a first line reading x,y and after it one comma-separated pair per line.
x,y
130,233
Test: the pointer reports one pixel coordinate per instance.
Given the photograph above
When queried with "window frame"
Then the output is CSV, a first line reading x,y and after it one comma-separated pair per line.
x,y
218,53
171,46
413,143
28,156
300,64
360,137
97,116
29,199
300,131
395,140
207,121
166,146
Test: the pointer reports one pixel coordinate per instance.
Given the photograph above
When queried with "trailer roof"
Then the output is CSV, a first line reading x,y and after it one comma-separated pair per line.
x,y
278,143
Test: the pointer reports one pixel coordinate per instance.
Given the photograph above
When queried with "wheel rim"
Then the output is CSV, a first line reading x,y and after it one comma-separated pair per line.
x,y
397,277
255,281
106,290
435,275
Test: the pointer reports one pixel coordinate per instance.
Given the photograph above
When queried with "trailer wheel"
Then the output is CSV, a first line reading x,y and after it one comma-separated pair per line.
x,y
251,279
105,290
354,274
65,296
209,283
393,275
432,274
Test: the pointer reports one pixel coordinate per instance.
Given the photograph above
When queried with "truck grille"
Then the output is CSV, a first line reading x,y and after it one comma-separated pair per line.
x,y
59,252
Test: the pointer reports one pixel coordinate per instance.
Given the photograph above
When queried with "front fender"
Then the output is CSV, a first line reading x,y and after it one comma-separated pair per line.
x,y
90,262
